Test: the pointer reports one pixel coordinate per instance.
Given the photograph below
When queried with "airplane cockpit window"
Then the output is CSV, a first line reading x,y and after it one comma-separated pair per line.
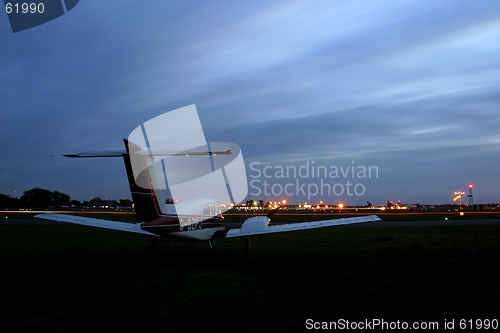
x,y
206,210
212,209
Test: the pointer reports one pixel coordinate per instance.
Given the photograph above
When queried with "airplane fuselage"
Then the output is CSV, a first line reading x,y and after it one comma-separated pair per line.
x,y
196,227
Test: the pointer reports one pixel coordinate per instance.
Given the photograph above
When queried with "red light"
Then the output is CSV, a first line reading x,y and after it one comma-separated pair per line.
x,y
471,186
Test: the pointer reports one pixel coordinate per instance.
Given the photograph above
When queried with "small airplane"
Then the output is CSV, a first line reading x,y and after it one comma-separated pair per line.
x,y
195,218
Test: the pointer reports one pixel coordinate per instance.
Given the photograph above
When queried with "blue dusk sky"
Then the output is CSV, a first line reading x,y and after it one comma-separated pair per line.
x,y
408,88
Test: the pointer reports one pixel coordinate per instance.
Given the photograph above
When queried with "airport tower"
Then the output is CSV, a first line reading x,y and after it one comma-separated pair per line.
x,y
471,201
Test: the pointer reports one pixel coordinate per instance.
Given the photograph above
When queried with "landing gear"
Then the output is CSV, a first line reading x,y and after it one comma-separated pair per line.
x,y
246,251
212,245
155,240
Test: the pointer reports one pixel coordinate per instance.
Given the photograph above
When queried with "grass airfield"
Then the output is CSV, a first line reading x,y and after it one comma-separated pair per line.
x,y
74,278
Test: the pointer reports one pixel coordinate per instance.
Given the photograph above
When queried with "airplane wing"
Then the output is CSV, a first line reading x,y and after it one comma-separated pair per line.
x,y
259,225
122,226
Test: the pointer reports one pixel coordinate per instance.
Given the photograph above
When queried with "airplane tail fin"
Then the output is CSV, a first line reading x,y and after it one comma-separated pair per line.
x,y
146,199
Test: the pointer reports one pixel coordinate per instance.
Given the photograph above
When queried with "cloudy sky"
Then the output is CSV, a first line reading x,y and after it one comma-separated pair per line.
x,y
409,88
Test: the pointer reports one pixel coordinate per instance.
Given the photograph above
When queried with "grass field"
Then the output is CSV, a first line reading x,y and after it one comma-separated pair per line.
x,y
74,278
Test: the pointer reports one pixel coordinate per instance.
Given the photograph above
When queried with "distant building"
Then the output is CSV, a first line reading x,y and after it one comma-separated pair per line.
x,y
100,203
479,207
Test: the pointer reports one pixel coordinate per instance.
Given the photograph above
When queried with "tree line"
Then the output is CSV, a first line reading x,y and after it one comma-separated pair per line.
x,y
42,198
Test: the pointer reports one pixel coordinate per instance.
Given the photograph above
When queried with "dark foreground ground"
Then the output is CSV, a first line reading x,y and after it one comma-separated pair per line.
x,y
72,278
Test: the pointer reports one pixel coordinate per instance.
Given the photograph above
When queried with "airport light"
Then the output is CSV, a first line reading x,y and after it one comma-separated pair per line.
x,y
459,196
341,206
471,200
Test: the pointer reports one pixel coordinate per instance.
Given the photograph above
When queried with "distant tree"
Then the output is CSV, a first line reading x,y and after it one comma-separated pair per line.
x,y
60,199
41,198
85,203
6,201
75,203
261,203
250,203
36,197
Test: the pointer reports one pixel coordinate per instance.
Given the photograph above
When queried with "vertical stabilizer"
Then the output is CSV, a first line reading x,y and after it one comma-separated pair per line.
x,y
146,204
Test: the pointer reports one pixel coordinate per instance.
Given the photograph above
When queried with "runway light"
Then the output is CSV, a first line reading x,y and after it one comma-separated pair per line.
x,y
341,206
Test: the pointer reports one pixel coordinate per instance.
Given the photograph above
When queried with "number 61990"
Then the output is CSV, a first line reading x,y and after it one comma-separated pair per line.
x,y
24,8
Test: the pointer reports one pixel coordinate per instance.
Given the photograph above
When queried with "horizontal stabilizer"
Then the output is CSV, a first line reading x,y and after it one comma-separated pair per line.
x,y
103,153
260,228
114,225
147,152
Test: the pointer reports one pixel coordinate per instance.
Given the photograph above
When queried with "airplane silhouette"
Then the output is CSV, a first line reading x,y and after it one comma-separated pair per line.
x,y
195,218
